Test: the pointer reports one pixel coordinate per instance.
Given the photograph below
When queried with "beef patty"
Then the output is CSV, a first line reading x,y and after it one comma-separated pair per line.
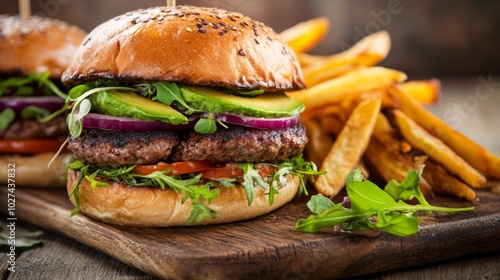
x,y
241,144
237,144
117,148
33,129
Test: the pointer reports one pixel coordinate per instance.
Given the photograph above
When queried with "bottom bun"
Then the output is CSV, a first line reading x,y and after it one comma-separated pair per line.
x,y
33,171
123,205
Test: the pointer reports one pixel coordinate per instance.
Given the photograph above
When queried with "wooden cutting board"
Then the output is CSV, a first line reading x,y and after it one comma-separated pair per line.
x,y
268,246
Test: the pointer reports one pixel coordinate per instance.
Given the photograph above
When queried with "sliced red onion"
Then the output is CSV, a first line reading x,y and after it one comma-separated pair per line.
x,y
262,123
101,121
17,103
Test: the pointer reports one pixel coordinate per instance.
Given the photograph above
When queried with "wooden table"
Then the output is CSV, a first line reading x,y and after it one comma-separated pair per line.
x,y
62,258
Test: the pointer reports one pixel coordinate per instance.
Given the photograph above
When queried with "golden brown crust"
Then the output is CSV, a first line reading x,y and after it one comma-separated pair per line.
x,y
200,46
153,207
36,45
32,171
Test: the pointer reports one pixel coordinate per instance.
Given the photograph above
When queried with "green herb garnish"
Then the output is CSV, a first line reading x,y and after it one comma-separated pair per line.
x,y
7,116
190,185
372,207
23,88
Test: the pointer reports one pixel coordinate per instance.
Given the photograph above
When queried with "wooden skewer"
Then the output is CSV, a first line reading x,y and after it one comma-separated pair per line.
x,y
170,3
24,9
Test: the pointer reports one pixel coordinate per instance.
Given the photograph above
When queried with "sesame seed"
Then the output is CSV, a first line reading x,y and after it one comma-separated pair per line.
x,y
188,29
159,18
242,52
222,23
256,41
222,33
128,13
244,78
199,25
256,32
202,30
235,28
269,38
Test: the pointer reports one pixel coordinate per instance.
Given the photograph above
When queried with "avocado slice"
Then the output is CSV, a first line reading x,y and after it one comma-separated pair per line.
x,y
268,105
128,104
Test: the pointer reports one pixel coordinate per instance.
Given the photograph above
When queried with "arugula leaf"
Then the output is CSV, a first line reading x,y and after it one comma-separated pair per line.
x,y
205,126
248,183
408,189
366,196
22,84
319,204
167,93
201,212
7,116
372,208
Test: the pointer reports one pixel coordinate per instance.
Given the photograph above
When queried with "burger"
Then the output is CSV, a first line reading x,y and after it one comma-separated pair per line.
x,y
33,54
179,117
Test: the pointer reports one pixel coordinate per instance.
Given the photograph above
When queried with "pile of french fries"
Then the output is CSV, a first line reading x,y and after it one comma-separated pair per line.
x,y
359,115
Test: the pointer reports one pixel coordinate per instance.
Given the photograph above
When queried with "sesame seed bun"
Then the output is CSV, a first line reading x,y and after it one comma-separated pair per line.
x,y
37,45
199,46
125,205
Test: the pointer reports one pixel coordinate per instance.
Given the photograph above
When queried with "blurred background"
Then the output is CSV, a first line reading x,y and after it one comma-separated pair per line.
x,y
430,38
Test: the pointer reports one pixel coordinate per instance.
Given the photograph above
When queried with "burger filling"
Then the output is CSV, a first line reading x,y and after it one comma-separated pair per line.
x,y
30,115
189,139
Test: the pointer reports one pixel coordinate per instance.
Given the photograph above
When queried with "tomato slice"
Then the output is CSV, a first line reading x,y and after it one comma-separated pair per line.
x,y
229,172
181,167
29,146
207,170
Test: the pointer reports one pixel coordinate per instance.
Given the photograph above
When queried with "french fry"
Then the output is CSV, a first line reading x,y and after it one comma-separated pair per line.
x,y
348,148
424,91
332,124
477,156
368,52
306,35
332,73
387,155
306,59
392,165
493,185
348,86
443,182
319,143
436,149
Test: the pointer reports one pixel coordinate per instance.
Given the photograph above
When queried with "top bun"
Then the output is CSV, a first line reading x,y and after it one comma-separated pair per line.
x,y
199,46
37,45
